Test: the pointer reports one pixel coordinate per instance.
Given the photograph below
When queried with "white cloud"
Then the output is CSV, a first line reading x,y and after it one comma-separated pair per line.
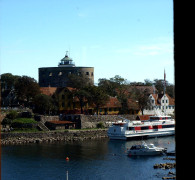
x,y
148,49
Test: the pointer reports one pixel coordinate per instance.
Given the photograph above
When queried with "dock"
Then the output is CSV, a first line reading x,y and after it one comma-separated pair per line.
x,y
171,153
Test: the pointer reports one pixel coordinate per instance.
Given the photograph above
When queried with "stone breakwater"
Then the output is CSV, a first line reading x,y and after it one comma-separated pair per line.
x,y
48,137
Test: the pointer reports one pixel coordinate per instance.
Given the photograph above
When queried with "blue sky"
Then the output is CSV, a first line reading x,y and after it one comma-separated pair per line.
x,y
130,38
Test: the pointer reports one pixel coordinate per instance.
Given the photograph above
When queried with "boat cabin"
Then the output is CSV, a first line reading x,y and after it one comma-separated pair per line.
x,y
156,118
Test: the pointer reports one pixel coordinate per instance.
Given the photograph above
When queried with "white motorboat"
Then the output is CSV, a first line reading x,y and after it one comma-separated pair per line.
x,y
145,149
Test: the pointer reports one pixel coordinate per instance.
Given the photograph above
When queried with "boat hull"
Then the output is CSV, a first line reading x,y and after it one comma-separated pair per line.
x,y
141,135
144,153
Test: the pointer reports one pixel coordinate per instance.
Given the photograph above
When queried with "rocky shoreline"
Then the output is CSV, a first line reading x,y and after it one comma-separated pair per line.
x,y
49,137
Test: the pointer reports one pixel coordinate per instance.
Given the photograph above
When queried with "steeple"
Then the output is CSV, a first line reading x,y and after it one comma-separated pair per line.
x,y
66,61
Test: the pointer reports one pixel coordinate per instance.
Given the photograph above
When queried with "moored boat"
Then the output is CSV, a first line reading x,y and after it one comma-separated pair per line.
x,y
154,127
145,150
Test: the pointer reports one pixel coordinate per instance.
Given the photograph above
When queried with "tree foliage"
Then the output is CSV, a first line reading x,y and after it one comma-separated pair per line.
x,y
97,96
26,89
8,81
44,104
80,84
111,85
141,97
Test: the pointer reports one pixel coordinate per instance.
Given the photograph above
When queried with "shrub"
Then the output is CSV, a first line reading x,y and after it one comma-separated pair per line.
x,y
12,114
26,114
6,121
25,120
23,123
100,125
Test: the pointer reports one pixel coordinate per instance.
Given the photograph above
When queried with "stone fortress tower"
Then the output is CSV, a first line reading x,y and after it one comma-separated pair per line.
x,y
58,76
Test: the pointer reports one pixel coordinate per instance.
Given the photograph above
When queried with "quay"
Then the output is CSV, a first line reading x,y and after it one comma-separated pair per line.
x,y
8,138
170,153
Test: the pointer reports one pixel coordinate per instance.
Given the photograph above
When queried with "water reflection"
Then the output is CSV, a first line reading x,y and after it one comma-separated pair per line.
x,y
93,159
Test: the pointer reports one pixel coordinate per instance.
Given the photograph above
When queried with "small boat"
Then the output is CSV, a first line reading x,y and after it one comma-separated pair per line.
x,y
146,149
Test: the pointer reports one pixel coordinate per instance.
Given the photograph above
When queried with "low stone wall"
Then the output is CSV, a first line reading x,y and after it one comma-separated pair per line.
x,y
43,137
43,118
91,121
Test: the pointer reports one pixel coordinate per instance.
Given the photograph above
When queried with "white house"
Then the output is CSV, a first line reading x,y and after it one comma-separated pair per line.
x,y
160,103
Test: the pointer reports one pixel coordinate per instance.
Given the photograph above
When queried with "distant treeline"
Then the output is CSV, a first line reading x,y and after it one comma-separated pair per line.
x,y
25,91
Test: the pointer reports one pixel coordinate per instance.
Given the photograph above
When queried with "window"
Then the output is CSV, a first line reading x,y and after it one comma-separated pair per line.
x,y
168,126
131,128
144,127
91,73
60,73
50,74
87,73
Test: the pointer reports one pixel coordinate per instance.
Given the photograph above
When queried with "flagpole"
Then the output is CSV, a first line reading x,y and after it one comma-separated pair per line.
x,y
164,91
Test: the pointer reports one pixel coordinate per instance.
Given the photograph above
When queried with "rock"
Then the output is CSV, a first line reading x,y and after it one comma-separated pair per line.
x,y
165,165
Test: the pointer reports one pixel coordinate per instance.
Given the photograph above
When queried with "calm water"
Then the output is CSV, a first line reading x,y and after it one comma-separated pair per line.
x,y
98,160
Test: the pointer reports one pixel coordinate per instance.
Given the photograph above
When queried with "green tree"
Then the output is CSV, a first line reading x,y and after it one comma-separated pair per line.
x,y
7,89
140,95
148,82
170,90
26,89
117,87
8,81
80,83
159,84
44,104
97,96
118,80
110,86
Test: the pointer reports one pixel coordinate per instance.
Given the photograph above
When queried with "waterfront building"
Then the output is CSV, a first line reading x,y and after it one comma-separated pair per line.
x,y
160,103
70,104
59,76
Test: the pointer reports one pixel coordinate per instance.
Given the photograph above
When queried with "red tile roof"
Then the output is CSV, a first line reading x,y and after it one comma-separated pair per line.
x,y
143,117
61,122
112,103
171,100
158,98
48,90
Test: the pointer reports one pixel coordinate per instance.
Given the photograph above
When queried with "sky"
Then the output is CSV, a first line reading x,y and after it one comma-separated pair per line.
x,y
129,38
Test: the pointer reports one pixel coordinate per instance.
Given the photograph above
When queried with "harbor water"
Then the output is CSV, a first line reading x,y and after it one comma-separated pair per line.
x,y
91,159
